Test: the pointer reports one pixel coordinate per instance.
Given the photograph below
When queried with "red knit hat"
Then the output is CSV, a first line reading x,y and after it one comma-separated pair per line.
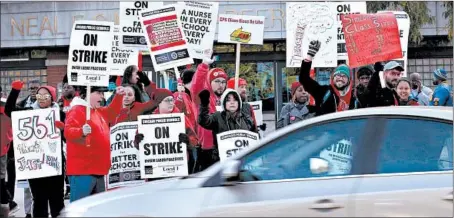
x,y
231,83
160,94
51,90
217,73
295,86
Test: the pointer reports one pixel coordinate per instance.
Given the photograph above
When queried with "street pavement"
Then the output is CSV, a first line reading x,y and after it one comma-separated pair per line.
x,y
19,199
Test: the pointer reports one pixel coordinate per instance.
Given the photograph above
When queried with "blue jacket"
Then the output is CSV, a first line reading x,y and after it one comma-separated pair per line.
x,y
442,95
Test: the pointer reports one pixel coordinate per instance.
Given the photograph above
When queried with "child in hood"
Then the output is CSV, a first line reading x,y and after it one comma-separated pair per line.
x,y
47,191
231,118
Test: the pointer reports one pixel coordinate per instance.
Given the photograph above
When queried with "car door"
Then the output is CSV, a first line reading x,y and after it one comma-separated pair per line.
x,y
276,179
413,175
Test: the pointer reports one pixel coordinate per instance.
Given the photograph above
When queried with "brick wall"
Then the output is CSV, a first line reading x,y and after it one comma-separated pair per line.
x,y
55,74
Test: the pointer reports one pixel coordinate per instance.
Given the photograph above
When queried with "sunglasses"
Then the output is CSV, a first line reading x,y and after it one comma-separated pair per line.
x,y
43,97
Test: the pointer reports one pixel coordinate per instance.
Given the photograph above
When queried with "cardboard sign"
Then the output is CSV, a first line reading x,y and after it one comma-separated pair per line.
x,y
199,20
343,8
308,21
125,168
90,55
403,23
241,29
122,57
165,38
161,153
37,143
231,142
361,47
131,31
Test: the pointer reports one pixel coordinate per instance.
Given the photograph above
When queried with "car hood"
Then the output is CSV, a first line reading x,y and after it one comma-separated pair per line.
x,y
80,207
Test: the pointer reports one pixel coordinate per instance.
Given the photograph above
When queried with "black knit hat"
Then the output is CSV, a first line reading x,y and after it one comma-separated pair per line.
x,y
187,75
365,71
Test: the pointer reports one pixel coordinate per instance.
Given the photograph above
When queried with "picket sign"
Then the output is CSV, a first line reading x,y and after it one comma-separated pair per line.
x,y
125,168
37,143
232,142
240,29
161,153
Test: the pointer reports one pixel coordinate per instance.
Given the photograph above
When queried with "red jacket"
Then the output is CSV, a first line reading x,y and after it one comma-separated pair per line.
x,y
199,83
6,133
186,106
193,140
93,160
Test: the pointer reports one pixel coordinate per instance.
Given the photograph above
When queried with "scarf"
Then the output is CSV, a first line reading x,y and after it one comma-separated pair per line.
x,y
344,99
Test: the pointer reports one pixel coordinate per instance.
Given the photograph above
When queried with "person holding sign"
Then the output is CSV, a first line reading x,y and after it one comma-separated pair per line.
x,y
383,93
133,105
88,164
6,136
214,81
298,109
331,98
47,191
231,118
166,105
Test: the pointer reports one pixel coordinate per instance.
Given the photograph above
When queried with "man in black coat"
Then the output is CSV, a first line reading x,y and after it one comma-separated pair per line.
x,y
377,95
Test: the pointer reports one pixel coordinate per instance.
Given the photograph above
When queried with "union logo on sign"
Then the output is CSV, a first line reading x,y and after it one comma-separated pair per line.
x,y
174,55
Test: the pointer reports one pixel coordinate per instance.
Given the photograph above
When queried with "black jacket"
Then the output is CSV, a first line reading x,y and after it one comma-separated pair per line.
x,y
360,93
325,98
377,96
220,121
21,103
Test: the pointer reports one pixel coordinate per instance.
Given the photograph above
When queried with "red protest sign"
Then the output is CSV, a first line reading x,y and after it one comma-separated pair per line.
x,y
371,38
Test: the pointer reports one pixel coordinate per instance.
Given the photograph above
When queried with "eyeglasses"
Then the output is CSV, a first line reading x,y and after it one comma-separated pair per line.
x,y
43,97
222,82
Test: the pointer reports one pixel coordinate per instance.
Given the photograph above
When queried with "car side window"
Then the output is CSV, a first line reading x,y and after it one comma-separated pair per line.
x,y
320,150
415,145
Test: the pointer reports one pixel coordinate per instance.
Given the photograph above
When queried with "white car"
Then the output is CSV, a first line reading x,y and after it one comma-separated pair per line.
x,y
387,162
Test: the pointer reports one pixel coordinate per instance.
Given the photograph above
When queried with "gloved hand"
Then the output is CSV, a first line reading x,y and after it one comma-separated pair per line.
x,y
60,125
86,129
204,97
207,61
137,140
17,85
143,78
314,46
184,138
263,127
378,66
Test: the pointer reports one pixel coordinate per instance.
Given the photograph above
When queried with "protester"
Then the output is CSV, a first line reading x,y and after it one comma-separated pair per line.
x,y
231,118
245,108
132,105
33,86
384,96
214,81
6,136
166,105
298,108
442,95
88,163
420,92
404,92
364,73
48,191
328,98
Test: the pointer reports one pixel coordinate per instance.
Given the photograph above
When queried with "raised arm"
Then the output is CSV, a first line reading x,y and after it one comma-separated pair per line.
x,y
206,120
10,105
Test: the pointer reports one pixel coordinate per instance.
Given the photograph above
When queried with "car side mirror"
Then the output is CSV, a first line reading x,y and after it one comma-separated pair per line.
x,y
231,171
318,165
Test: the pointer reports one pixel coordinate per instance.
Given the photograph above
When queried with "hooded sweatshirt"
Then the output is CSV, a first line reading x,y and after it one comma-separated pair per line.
x,y
328,98
223,121
93,159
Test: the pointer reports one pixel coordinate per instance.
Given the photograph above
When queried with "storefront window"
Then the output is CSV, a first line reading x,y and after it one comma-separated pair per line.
x,y
23,75
257,48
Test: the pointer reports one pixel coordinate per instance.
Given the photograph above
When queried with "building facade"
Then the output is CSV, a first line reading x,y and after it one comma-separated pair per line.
x,y
35,42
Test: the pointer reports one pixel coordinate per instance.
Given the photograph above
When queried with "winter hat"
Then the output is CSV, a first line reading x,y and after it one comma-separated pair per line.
x,y
440,74
295,86
393,65
51,90
187,75
365,71
231,83
160,94
235,93
342,69
217,73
